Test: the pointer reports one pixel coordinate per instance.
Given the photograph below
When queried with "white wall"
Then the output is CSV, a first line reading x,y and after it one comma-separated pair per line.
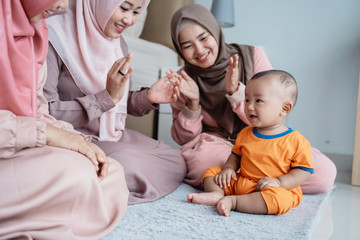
x,y
317,41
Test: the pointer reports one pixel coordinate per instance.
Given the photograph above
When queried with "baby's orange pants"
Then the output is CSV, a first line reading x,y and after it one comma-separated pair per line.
x,y
278,199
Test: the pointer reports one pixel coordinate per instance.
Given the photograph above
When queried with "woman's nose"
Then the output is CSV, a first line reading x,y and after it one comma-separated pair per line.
x,y
64,4
198,48
128,19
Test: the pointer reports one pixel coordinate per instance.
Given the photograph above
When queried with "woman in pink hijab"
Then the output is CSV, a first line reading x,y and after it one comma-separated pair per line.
x,y
55,183
88,85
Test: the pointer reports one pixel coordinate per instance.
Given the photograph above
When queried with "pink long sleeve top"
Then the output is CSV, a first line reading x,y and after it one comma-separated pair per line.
x,y
19,132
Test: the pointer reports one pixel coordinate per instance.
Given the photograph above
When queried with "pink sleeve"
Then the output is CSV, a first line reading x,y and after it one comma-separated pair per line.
x,y
138,103
18,133
187,124
261,61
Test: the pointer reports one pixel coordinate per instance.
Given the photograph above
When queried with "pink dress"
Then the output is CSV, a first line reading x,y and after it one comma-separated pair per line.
x,y
47,191
202,149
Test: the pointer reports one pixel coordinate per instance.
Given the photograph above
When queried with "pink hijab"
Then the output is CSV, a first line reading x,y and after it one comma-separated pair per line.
x,y
23,51
78,38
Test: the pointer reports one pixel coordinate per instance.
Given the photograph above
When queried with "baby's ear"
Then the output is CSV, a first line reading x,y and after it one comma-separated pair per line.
x,y
287,107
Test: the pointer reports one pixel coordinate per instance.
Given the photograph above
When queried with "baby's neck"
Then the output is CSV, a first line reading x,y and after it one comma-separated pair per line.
x,y
272,130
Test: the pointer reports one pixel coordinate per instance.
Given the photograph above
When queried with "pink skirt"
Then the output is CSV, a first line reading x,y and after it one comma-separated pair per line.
x,y
54,193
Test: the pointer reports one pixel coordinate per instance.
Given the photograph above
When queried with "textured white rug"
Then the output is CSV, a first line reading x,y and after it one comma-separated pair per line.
x,y
171,217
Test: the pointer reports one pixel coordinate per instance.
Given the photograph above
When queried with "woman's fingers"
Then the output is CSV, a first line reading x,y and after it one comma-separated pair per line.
x,y
184,75
68,140
98,158
128,74
121,65
117,78
103,162
124,65
87,150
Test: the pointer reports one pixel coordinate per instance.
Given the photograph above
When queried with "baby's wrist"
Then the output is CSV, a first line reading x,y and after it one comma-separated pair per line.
x,y
278,181
228,168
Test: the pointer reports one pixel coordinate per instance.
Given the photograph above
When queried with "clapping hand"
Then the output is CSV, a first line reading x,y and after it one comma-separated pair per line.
x,y
118,77
232,75
188,88
165,90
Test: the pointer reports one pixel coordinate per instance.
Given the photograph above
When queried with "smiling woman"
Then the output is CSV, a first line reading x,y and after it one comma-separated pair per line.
x,y
123,17
197,44
51,174
88,85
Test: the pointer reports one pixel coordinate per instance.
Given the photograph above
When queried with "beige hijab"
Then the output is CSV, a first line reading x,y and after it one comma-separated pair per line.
x,y
78,38
211,81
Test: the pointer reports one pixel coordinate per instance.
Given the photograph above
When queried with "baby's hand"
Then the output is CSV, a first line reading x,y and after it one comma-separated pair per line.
x,y
224,177
267,182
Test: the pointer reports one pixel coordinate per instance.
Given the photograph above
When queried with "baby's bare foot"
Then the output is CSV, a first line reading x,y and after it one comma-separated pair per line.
x,y
206,198
225,205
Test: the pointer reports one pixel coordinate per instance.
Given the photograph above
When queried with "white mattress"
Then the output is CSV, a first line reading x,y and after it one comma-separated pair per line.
x,y
148,59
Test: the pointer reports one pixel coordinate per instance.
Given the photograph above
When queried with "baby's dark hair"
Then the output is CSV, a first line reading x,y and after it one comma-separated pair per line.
x,y
286,80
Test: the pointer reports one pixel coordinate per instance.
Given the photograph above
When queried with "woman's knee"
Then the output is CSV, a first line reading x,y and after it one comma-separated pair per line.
x,y
324,174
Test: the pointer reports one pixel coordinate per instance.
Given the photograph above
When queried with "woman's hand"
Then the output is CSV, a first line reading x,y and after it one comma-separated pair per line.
x,y
117,78
57,137
232,75
165,90
190,90
224,177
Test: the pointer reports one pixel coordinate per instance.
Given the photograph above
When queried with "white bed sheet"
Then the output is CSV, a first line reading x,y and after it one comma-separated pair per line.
x,y
148,59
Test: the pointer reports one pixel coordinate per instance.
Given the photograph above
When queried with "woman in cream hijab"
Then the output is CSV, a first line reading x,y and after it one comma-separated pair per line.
x,y
55,184
88,85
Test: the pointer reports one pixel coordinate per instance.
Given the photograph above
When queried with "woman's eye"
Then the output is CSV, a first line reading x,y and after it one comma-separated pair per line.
x,y
247,101
186,46
203,38
258,100
124,9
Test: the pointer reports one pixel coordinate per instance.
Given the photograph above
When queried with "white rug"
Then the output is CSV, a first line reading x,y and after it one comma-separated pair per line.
x,y
171,217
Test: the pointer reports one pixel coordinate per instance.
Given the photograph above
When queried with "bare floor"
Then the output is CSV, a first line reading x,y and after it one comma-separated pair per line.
x,y
340,219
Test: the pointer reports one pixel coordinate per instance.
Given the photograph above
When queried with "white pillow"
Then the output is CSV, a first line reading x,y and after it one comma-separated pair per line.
x,y
136,29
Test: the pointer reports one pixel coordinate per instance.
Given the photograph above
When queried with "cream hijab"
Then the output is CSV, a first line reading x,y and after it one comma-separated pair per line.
x,y
78,38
